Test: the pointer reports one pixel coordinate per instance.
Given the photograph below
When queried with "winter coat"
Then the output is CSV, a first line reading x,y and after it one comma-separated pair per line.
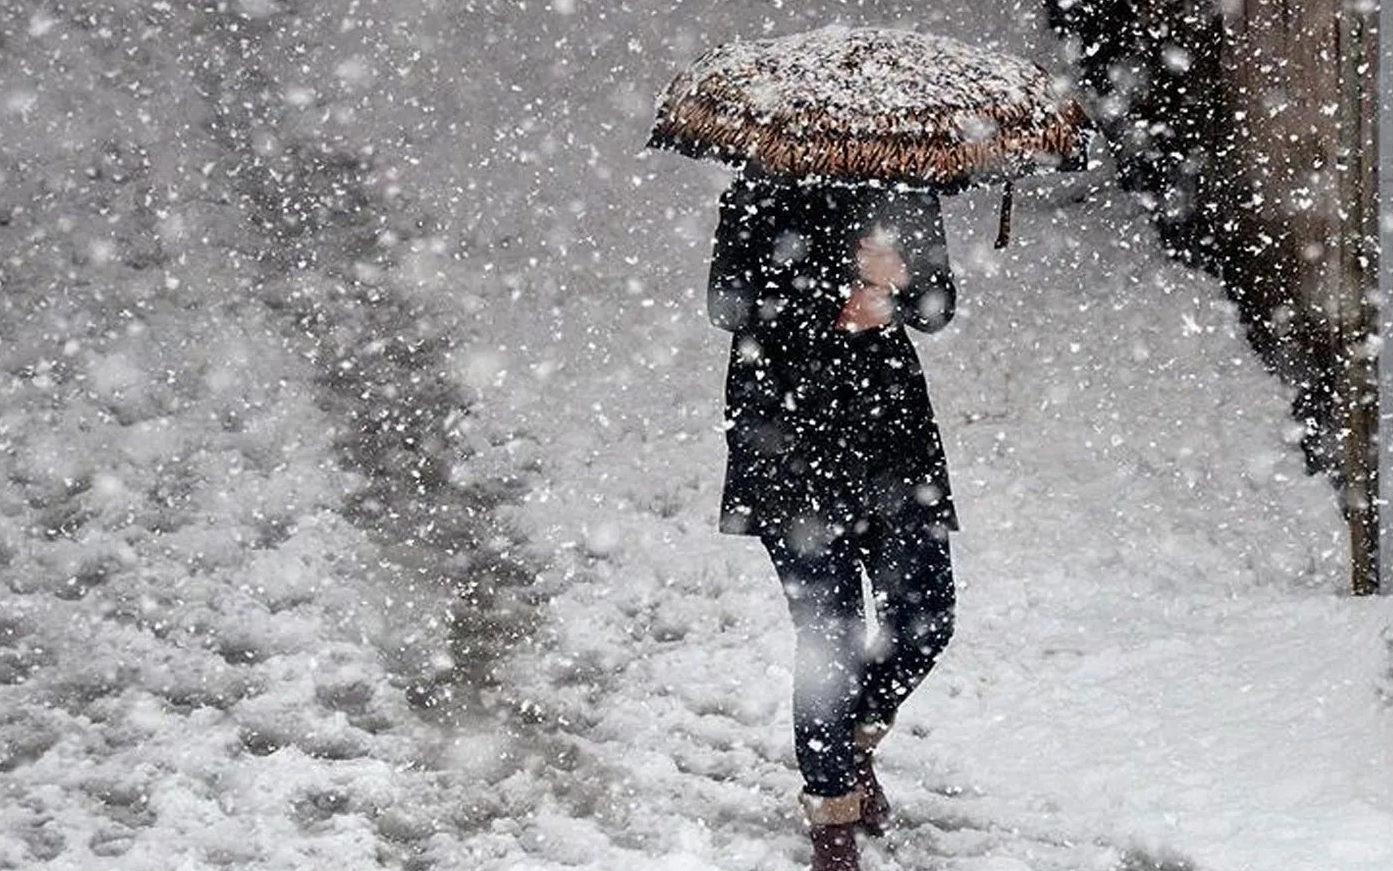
x,y
826,428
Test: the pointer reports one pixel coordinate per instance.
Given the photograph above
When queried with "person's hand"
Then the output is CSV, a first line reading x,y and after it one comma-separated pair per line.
x,y
870,306
879,262
882,270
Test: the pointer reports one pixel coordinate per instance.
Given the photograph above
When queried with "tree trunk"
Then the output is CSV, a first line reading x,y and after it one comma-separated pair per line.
x,y
1355,288
1385,277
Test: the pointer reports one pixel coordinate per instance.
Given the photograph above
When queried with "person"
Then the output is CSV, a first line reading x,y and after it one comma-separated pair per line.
x,y
835,461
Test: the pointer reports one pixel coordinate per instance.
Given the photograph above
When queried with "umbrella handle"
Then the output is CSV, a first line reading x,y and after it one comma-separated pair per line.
x,y
1003,229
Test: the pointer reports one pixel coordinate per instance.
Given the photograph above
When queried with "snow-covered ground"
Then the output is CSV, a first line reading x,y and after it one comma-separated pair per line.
x,y
324,330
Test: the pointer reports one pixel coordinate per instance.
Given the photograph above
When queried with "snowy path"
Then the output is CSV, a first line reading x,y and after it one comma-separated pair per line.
x,y
1154,657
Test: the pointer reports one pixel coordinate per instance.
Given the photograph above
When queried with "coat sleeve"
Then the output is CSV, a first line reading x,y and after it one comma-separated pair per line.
x,y
731,293
928,301
762,283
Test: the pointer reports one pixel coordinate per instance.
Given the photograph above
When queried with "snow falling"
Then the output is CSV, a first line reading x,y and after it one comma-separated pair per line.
x,y
361,423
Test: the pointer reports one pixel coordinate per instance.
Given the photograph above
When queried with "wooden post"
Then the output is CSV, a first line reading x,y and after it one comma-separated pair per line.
x,y
1354,282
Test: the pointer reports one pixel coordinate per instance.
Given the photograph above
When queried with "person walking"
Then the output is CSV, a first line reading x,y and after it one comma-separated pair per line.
x,y
835,461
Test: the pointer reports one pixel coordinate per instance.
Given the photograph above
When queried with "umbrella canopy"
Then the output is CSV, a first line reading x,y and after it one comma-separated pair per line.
x,y
872,103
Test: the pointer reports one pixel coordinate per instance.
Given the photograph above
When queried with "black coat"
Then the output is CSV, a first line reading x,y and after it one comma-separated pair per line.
x,y
826,428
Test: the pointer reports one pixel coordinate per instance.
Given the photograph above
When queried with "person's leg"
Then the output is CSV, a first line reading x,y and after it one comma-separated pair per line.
x,y
824,599
911,577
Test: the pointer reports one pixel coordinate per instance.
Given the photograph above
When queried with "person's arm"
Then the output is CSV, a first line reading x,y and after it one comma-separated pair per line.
x,y
760,285
731,295
927,302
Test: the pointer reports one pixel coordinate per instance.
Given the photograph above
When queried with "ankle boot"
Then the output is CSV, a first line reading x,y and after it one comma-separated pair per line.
x,y
875,807
832,827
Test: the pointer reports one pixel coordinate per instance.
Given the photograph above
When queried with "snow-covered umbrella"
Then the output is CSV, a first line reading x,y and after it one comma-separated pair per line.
x,y
854,104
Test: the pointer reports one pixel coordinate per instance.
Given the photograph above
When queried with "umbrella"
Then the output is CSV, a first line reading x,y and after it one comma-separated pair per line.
x,y
855,104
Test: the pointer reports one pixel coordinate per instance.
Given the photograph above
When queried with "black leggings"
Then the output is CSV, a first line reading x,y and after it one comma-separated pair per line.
x,y
838,682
